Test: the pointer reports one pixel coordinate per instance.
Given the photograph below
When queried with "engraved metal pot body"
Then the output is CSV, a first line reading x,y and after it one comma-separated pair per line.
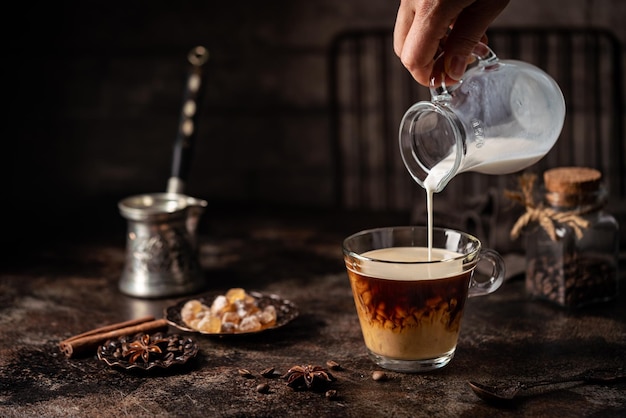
x,y
161,245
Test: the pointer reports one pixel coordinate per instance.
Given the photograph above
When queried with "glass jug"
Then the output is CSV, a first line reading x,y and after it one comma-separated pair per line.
x,y
501,117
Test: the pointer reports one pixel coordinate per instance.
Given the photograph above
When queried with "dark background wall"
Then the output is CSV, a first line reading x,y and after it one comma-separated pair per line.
x,y
94,92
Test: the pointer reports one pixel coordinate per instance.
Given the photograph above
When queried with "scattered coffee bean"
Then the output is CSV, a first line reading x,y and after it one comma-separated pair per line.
x,y
333,365
269,372
378,375
263,388
331,394
245,373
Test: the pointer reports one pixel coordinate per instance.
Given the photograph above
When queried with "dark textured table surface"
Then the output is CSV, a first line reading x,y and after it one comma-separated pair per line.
x,y
63,287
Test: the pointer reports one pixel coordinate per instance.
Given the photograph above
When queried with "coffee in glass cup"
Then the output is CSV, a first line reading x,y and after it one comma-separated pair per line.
x,y
410,300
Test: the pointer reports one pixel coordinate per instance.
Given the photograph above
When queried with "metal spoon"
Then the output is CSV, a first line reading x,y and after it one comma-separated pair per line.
x,y
508,392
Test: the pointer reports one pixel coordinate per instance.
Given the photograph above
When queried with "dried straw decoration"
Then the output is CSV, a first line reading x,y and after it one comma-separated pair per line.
x,y
546,217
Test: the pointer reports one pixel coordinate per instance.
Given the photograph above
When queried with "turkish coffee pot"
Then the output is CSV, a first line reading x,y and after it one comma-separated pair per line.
x,y
161,242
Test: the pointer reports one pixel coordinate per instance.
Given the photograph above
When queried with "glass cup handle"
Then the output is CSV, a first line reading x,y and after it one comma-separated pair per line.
x,y
441,85
496,277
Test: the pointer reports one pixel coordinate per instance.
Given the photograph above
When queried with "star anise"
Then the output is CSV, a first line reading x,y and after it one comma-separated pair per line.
x,y
141,348
307,377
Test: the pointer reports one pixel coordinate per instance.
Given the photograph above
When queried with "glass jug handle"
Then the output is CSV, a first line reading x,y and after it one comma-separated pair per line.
x,y
441,85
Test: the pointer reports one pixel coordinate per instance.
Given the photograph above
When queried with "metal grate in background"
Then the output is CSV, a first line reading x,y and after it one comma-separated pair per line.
x,y
369,92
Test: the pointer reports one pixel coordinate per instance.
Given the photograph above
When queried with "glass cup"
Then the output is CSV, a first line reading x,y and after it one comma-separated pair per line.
x,y
410,308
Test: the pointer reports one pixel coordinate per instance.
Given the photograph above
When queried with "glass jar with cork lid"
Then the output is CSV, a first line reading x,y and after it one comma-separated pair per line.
x,y
573,252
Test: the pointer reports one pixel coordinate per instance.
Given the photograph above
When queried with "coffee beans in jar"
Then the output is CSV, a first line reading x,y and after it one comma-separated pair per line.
x,y
572,250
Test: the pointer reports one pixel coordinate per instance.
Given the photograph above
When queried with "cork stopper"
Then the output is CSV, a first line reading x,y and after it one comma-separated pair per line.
x,y
569,186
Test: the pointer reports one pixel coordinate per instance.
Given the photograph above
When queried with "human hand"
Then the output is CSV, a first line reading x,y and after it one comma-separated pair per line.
x,y
426,28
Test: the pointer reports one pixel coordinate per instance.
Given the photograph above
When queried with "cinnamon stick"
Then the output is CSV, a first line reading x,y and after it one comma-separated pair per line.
x,y
90,340
112,327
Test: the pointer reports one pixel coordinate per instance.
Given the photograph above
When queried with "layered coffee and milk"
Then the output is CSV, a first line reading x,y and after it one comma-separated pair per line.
x,y
409,309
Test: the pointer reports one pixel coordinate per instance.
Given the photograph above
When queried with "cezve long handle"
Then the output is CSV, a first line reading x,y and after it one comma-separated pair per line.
x,y
183,146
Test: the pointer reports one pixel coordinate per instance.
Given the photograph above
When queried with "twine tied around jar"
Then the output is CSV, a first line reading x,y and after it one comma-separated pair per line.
x,y
546,217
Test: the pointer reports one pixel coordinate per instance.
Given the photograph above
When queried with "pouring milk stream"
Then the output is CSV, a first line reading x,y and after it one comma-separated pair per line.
x,y
500,118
